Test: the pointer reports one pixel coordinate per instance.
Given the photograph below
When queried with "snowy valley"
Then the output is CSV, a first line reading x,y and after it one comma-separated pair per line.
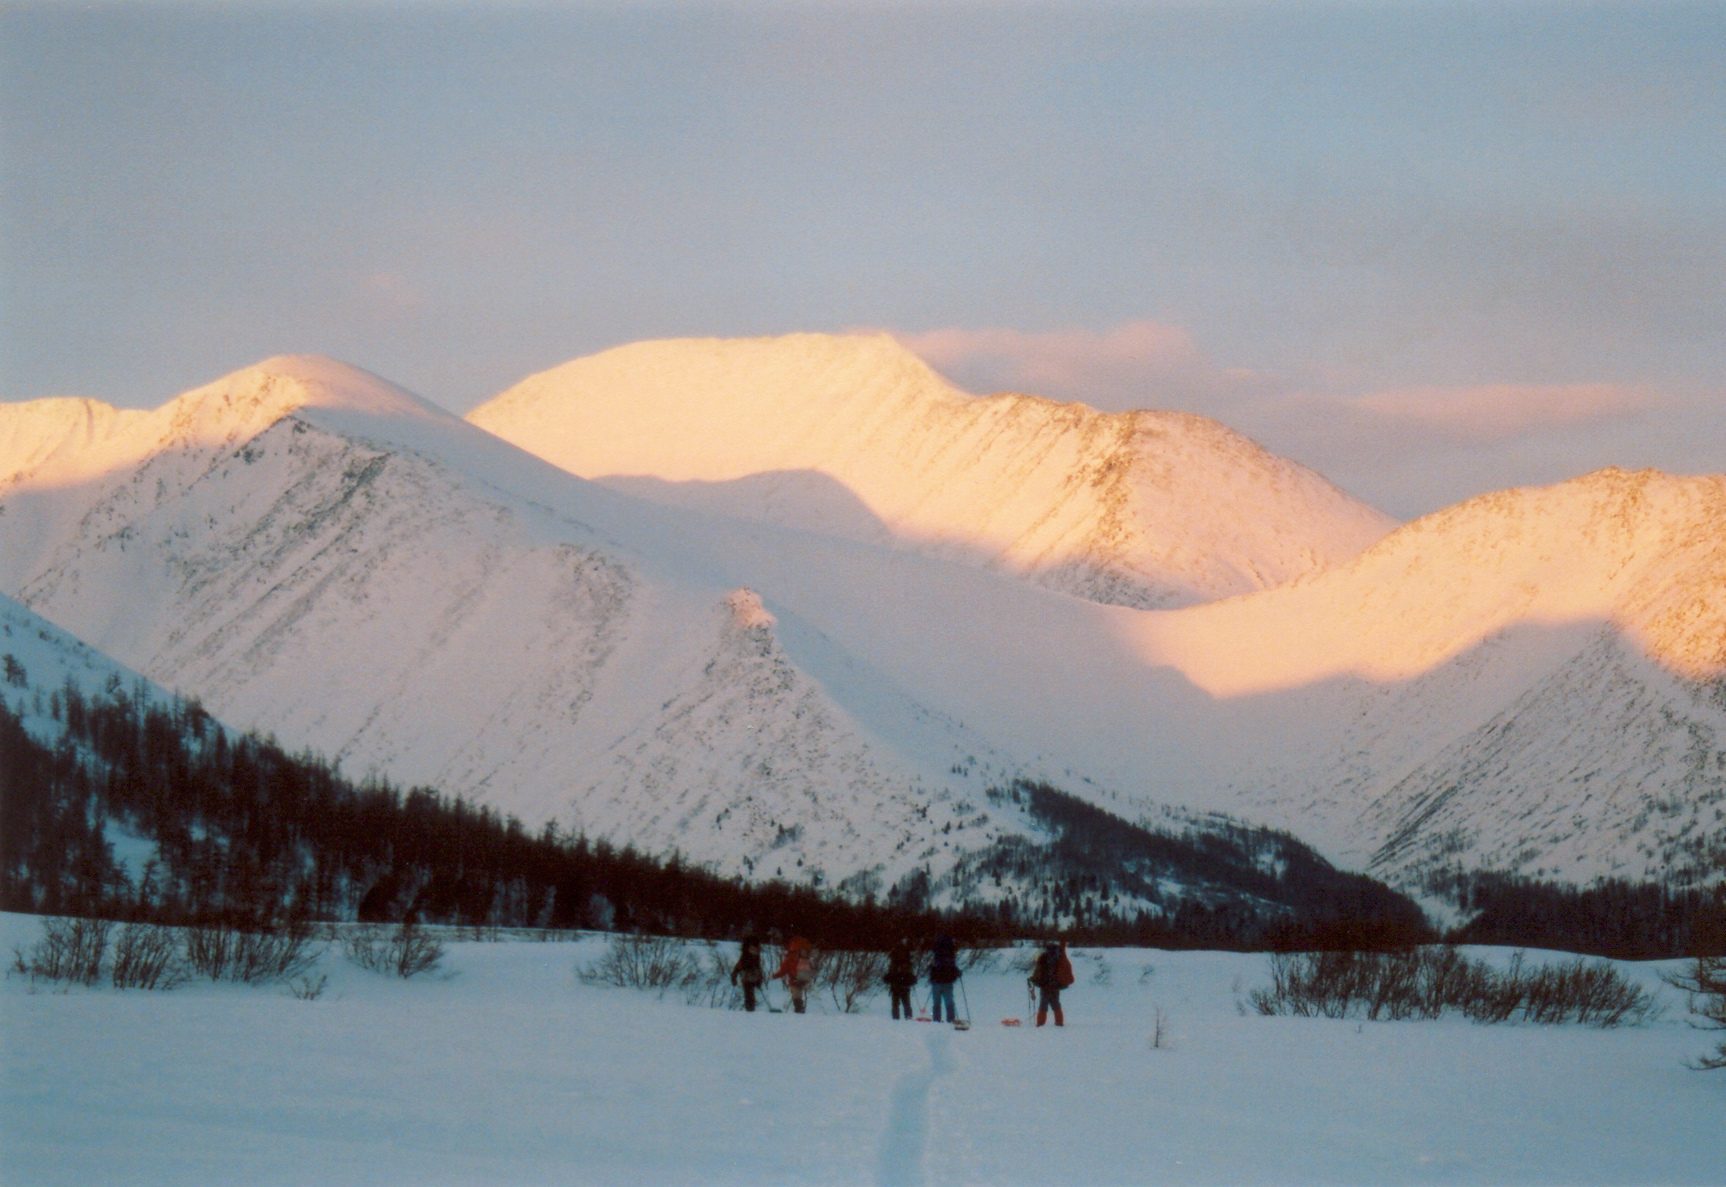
x,y
500,1066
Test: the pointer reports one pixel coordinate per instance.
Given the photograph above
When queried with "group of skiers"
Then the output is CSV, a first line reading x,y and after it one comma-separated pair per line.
x,y
1051,973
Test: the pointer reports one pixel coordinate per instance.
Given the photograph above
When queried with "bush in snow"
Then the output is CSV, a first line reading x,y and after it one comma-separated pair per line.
x,y
1595,994
147,956
1425,982
70,950
1705,984
223,952
978,960
407,953
306,989
852,978
712,985
644,962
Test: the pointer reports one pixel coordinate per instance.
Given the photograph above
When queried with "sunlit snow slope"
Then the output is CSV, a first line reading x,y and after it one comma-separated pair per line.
x,y
318,554
856,436
1534,681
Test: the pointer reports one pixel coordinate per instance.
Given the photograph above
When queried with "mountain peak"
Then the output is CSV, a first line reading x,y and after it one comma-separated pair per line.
x,y
264,392
1142,509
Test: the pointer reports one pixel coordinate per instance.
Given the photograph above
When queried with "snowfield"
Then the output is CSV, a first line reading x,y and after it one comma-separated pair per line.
x,y
501,1068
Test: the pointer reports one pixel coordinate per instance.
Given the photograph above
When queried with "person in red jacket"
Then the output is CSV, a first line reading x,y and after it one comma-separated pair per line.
x,y
797,970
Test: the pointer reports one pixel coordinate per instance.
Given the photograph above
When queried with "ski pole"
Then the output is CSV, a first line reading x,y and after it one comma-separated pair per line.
x,y
967,996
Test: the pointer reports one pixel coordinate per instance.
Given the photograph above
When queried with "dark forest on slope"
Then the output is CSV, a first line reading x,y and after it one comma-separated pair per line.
x,y
245,832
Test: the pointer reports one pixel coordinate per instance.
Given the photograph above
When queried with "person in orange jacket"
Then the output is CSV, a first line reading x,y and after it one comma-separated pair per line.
x,y
797,970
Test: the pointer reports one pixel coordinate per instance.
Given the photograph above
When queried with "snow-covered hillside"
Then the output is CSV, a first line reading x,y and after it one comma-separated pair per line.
x,y
319,555
1531,681
855,436
38,659
33,432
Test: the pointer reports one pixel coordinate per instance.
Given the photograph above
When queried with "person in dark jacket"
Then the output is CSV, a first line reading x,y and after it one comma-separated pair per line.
x,y
943,972
1049,977
901,976
748,971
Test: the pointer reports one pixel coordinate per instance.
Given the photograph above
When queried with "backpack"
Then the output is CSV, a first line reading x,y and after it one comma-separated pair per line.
x,y
944,968
1063,970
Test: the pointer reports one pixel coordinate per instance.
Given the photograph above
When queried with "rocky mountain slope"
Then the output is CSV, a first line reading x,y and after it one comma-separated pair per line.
x,y
857,437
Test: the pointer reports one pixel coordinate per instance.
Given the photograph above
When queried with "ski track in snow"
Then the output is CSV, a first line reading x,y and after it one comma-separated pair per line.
x,y
902,1146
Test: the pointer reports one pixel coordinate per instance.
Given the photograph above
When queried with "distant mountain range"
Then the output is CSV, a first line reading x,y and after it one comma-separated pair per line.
x,y
795,607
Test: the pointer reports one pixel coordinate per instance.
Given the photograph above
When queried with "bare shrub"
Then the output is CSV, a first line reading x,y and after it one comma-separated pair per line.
x,y
250,956
209,950
70,950
1592,994
979,960
409,951
306,989
1704,985
638,961
1424,982
711,986
851,977
147,956
1159,1029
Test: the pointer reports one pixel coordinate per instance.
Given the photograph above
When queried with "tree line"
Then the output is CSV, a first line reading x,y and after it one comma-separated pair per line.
x,y
241,831
1613,917
238,830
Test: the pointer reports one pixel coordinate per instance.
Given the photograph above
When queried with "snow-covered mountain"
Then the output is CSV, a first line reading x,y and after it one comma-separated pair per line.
x,y
321,555
1532,681
857,437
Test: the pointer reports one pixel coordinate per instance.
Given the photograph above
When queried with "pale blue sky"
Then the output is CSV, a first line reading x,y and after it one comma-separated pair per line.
x,y
1429,248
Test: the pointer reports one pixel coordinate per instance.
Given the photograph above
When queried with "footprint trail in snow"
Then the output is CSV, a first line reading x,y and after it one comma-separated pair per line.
x,y
907,1133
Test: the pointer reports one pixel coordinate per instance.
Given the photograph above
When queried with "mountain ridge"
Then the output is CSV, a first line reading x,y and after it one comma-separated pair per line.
x,y
1092,503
